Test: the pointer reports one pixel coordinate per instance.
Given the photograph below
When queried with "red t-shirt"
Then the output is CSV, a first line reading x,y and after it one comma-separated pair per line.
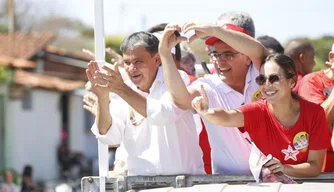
x,y
290,146
316,87
299,79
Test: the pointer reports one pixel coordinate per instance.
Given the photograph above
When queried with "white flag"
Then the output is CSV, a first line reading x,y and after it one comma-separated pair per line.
x,y
256,160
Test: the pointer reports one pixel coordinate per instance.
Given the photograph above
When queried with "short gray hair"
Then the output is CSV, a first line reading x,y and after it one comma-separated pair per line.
x,y
241,19
187,54
145,39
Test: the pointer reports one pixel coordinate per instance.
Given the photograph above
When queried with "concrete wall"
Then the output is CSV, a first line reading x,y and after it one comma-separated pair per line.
x,y
36,133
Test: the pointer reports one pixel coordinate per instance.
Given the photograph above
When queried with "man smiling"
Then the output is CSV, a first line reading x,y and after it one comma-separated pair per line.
x,y
232,85
159,138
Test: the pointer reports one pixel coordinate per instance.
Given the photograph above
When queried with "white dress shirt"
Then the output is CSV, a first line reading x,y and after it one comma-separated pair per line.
x,y
164,143
229,149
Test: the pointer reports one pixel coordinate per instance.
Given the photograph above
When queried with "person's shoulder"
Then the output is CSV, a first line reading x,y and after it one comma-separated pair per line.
x,y
310,106
313,77
257,105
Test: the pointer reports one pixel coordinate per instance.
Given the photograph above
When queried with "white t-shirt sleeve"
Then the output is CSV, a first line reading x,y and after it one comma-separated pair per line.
x,y
115,134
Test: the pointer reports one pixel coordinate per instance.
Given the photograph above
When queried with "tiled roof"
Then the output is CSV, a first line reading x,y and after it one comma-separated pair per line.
x,y
33,80
17,63
66,53
24,45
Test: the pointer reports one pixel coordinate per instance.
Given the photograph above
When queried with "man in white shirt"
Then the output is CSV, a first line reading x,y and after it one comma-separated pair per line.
x,y
159,138
232,85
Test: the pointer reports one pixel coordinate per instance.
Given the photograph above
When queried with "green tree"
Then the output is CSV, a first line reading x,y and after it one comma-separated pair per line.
x,y
3,29
114,42
322,46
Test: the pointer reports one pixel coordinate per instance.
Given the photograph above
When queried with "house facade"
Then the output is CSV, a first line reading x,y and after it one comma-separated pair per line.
x,y
41,105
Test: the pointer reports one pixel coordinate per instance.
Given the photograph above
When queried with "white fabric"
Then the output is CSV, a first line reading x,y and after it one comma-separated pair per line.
x,y
229,149
256,160
9,188
165,143
333,47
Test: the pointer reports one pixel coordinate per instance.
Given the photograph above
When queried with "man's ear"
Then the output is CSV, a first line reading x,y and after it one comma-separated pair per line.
x,y
157,60
301,58
331,56
248,60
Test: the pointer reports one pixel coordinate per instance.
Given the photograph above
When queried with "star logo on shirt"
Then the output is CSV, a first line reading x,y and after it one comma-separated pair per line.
x,y
290,153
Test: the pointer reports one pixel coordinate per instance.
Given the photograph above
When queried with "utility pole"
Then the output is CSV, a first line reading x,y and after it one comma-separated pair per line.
x,y
11,29
11,16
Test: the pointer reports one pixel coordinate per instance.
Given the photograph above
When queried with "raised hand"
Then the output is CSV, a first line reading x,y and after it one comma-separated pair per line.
x,y
111,79
201,103
201,30
169,40
116,57
99,91
90,103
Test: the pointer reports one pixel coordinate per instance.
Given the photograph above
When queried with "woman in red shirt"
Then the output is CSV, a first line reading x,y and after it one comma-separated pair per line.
x,y
290,128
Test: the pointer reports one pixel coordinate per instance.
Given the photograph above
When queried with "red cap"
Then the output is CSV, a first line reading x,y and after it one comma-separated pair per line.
x,y
213,39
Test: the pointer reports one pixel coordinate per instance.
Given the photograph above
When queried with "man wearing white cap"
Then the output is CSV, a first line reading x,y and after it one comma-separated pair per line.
x,y
317,87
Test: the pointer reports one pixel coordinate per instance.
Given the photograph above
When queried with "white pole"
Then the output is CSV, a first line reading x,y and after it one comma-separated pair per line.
x,y
100,59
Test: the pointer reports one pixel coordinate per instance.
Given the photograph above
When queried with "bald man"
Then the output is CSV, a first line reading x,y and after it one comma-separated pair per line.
x,y
302,53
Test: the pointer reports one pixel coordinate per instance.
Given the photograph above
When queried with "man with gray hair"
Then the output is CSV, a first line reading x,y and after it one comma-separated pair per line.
x,y
241,19
158,137
233,54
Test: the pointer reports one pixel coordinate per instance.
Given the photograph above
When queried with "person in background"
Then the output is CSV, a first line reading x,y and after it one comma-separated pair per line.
x,y
188,60
9,185
271,44
317,87
274,123
28,184
302,53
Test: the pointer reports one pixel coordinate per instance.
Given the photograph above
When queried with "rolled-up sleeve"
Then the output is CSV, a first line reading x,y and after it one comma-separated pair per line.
x,y
116,131
114,135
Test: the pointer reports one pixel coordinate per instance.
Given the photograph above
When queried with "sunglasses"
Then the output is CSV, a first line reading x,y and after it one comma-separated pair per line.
x,y
261,79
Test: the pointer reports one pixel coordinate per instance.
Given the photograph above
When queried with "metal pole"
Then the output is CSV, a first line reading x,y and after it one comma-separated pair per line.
x,y
100,59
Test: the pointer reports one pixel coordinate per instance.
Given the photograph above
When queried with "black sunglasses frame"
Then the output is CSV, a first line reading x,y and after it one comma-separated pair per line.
x,y
273,78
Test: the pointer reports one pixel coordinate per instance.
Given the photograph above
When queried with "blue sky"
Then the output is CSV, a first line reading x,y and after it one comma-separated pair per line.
x,y
282,19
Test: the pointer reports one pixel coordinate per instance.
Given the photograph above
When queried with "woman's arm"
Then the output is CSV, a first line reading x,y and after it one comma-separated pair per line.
x,y
311,168
231,118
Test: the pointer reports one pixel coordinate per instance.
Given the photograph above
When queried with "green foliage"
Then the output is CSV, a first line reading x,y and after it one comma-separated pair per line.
x,y
3,29
322,47
319,64
114,42
5,74
16,175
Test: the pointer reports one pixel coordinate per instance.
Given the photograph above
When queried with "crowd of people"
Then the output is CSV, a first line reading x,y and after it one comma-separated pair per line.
x,y
10,185
166,121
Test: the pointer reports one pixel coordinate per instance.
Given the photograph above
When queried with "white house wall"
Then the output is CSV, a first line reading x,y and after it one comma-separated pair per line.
x,y
36,134
81,139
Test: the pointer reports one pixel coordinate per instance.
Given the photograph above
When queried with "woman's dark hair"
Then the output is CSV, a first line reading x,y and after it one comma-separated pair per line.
x,y
288,66
27,171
